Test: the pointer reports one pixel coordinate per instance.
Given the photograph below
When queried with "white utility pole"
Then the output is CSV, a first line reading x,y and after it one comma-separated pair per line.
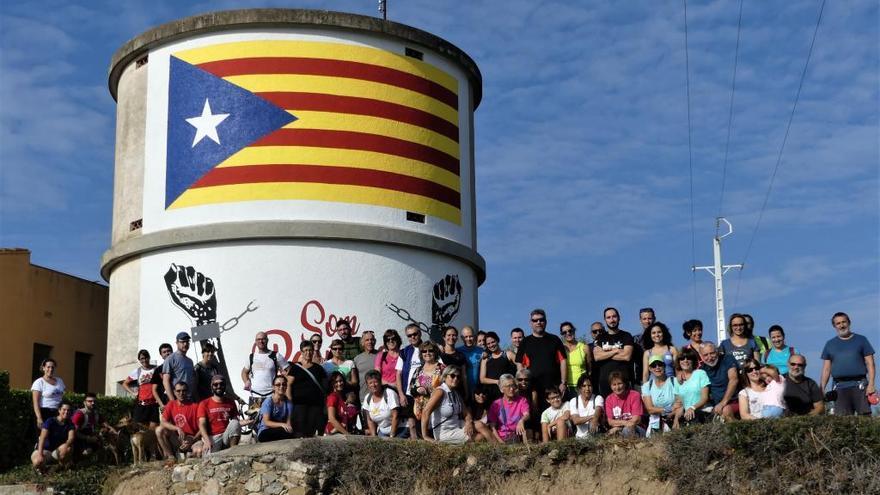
x,y
717,271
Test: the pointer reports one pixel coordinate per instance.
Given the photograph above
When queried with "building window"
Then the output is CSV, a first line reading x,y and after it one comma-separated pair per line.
x,y
81,372
41,352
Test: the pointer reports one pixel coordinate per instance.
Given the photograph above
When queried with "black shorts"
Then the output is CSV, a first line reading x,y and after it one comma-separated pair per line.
x,y
145,414
851,400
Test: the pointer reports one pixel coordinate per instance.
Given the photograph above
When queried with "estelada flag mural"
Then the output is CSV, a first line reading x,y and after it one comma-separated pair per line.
x,y
303,120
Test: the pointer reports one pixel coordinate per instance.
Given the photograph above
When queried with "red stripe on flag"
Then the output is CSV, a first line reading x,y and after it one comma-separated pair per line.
x,y
320,102
329,175
360,141
333,68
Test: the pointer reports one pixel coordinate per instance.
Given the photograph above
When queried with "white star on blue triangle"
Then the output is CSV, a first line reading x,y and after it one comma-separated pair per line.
x,y
197,103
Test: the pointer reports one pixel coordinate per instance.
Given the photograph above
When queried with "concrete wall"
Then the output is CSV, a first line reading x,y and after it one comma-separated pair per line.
x,y
39,305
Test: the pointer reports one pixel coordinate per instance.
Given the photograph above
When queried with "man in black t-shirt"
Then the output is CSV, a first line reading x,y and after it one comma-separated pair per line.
x,y
165,350
544,355
613,352
802,394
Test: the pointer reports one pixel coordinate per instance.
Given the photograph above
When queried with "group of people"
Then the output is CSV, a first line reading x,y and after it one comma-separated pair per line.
x,y
543,387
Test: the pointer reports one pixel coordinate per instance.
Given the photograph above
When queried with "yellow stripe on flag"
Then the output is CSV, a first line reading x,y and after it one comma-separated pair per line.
x,y
373,125
313,49
344,87
318,192
304,155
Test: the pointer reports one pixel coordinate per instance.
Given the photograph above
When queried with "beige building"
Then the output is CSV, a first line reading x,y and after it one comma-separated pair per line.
x,y
49,313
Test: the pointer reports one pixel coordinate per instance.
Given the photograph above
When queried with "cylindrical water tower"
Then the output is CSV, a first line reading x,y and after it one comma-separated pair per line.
x,y
277,170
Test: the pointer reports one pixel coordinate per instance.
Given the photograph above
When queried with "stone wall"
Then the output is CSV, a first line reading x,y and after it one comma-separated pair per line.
x,y
246,470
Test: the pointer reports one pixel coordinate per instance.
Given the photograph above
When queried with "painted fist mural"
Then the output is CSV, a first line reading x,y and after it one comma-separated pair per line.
x,y
446,300
192,292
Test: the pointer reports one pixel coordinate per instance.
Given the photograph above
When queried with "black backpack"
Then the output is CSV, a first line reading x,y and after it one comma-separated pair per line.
x,y
272,356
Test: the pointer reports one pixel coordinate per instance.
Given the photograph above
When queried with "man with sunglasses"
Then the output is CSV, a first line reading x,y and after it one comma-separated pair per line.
x,y
218,420
544,355
179,424
409,362
262,367
802,394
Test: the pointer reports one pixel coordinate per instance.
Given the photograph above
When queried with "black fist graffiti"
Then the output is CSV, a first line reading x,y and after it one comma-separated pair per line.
x,y
193,292
446,301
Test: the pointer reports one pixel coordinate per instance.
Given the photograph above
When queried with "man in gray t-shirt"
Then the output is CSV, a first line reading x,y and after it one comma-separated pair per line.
x,y
366,360
178,367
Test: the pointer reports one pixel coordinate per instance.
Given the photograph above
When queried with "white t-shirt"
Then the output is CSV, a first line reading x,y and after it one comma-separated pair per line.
x,y
770,396
263,371
550,414
585,410
50,395
380,412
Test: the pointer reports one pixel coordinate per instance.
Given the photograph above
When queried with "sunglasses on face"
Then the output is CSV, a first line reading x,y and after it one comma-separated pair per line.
x,y
336,348
566,332
412,335
656,365
539,320
799,365
452,375
749,370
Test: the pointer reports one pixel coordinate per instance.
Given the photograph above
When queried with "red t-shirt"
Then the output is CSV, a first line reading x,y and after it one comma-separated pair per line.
x,y
85,422
218,414
344,415
625,408
184,416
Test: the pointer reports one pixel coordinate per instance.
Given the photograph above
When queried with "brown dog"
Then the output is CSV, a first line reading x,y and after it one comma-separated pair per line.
x,y
144,445
143,440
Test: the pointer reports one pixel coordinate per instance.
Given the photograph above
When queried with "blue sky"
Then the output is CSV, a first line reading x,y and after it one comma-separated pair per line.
x,y
581,151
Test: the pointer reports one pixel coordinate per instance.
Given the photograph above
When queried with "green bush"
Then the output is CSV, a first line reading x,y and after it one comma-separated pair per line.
x,y
18,430
808,454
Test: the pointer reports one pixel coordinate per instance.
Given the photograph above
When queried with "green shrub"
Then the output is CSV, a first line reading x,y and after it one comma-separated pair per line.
x,y
814,454
84,480
18,430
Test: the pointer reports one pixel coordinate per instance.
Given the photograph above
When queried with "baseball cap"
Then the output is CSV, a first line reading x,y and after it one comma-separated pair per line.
x,y
218,378
655,359
183,336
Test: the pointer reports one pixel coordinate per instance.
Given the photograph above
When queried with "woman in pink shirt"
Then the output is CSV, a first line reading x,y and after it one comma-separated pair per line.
x,y
623,408
508,415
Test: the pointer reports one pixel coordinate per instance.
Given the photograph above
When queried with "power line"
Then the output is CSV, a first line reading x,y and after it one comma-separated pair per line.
x,y
730,113
781,150
687,70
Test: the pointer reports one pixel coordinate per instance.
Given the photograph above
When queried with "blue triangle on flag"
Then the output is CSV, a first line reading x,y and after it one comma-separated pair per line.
x,y
249,119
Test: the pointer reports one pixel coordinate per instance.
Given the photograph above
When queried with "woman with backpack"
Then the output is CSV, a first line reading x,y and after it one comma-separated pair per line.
x,y
382,409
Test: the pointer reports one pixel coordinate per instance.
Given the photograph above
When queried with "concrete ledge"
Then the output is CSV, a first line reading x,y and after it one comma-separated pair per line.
x,y
279,18
254,231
